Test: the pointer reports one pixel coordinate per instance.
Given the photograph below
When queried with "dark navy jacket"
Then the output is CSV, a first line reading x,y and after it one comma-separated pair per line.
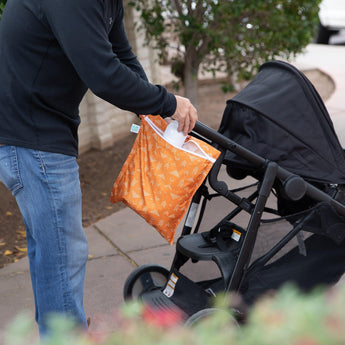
x,y
51,51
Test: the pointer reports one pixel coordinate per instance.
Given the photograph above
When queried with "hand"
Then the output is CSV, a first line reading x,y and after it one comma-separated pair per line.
x,y
185,114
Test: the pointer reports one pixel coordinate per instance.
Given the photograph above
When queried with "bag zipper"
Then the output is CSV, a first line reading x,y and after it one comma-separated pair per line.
x,y
160,133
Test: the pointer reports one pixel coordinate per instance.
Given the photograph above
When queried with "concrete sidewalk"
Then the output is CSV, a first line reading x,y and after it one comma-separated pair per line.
x,y
123,240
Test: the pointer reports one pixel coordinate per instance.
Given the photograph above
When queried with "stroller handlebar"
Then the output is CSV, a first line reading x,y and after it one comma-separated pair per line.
x,y
290,181
221,140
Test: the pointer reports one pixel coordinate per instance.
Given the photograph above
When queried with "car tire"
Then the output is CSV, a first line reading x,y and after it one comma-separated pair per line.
x,y
324,34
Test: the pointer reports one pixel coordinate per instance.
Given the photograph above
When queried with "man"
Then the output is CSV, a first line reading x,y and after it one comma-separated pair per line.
x,y
51,51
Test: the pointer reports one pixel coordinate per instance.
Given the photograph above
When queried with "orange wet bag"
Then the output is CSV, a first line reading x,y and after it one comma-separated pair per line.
x,y
158,180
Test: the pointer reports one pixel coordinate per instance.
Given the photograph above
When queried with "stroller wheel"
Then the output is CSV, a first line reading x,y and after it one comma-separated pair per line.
x,y
203,314
143,279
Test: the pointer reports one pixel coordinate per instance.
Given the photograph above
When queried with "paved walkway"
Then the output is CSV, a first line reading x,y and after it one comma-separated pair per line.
x,y
123,240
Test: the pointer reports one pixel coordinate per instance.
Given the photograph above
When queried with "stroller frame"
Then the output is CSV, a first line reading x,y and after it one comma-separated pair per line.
x,y
233,268
294,186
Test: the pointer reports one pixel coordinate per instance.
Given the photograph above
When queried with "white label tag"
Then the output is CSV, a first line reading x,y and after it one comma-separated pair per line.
x,y
170,288
191,214
135,128
236,235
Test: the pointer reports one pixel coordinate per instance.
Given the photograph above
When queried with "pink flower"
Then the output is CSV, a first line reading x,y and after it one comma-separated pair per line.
x,y
161,318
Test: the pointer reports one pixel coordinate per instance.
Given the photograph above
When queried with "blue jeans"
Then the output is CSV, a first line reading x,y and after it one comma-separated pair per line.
x,y
47,190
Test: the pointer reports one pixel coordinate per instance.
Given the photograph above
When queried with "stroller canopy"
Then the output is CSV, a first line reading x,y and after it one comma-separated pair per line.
x,y
281,117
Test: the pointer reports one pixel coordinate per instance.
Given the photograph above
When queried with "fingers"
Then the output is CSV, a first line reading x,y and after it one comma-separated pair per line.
x,y
193,119
185,114
168,119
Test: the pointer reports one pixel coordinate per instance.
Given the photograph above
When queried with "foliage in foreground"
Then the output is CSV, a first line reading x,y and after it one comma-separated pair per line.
x,y
290,318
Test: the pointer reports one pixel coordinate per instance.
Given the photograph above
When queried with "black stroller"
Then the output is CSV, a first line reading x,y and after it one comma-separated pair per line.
x,y
276,132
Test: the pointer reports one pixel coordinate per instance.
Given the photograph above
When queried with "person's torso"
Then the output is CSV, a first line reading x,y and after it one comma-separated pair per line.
x,y
40,90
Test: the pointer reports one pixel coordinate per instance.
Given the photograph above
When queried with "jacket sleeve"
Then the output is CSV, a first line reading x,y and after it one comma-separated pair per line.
x,y
81,30
121,46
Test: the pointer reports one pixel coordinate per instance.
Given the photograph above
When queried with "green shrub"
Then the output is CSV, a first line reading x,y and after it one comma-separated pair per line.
x,y
234,37
289,318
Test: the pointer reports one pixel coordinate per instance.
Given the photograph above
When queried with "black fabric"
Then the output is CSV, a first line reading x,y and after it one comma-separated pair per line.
x,y
281,117
51,52
327,222
323,265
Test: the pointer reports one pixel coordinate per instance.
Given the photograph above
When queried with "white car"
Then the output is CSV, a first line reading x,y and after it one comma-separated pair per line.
x,y
332,19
